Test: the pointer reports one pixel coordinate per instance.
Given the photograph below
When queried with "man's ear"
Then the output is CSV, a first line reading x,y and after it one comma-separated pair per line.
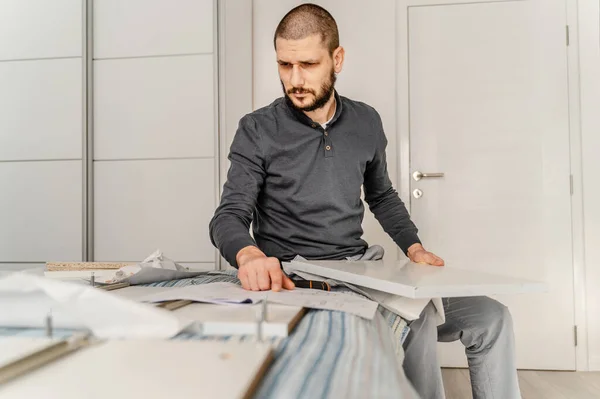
x,y
338,59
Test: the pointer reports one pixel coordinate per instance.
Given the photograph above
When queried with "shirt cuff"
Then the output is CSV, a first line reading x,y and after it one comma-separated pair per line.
x,y
406,240
233,246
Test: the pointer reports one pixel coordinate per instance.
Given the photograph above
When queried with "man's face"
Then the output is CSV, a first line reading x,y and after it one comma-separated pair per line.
x,y
307,72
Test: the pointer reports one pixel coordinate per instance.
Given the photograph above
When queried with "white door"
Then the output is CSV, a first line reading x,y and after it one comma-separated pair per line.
x,y
488,108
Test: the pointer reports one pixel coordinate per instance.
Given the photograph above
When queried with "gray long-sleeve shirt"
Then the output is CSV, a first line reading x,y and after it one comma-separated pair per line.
x,y
300,185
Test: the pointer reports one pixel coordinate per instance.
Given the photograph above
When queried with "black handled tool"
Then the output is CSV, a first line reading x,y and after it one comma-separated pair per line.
x,y
316,285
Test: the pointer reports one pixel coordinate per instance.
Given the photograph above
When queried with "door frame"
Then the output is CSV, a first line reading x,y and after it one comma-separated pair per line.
x,y
577,217
234,80
403,150
584,62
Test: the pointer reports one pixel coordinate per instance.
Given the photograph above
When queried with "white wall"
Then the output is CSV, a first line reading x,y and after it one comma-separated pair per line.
x,y
154,129
41,130
589,58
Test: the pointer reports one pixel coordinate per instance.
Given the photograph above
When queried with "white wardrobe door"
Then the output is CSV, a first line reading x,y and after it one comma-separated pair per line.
x,y
41,211
141,206
41,109
162,27
40,29
154,108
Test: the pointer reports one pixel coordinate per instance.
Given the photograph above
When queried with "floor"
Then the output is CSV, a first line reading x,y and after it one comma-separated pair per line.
x,y
534,384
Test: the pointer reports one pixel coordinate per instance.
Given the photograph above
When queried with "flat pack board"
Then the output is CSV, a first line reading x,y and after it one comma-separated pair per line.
x,y
233,319
416,280
148,369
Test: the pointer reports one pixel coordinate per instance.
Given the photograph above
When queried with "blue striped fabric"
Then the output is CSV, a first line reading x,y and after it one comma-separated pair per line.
x,y
337,355
330,354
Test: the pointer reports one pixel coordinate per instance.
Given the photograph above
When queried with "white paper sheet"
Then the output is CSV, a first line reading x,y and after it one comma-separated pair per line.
x,y
407,308
26,300
228,293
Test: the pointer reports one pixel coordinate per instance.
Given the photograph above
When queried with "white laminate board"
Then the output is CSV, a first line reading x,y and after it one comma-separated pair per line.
x,y
135,28
41,109
242,319
14,348
154,108
228,319
40,29
147,369
418,281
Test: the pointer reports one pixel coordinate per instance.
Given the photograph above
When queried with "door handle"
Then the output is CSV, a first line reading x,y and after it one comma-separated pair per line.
x,y
419,175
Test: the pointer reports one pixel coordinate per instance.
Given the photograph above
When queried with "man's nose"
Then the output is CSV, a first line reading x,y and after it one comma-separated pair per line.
x,y
297,79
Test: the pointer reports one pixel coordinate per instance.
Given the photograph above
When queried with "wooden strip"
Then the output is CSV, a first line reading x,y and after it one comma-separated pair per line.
x,y
111,287
173,305
75,266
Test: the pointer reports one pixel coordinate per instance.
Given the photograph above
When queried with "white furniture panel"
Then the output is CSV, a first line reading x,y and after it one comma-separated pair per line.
x,y
412,280
216,319
40,29
141,206
41,211
180,369
136,28
41,109
154,108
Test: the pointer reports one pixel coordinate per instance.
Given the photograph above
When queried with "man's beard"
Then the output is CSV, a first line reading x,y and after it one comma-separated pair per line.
x,y
320,100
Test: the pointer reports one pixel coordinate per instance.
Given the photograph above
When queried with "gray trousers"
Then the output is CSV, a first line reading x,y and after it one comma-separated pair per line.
x,y
485,328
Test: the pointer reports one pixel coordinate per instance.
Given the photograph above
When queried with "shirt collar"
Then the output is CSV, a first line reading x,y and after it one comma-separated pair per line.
x,y
302,117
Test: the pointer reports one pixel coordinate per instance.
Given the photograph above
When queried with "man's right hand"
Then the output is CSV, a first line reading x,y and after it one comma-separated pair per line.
x,y
257,272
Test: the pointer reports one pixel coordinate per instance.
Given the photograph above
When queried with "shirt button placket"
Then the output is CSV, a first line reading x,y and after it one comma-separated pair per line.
x,y
328,144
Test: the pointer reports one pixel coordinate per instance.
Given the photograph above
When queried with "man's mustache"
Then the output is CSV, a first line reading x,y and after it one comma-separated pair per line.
x,y
299,90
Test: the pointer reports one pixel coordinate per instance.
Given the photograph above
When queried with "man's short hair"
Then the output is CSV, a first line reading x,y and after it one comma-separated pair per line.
x,y
307,20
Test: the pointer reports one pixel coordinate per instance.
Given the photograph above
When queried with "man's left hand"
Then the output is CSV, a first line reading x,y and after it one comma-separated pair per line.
x,y
418,254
